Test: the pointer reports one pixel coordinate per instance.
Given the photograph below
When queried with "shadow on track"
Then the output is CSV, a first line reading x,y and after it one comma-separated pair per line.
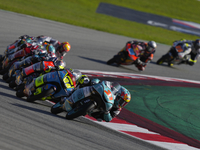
x,y
8,95
61,115
95,60
164,65
105,62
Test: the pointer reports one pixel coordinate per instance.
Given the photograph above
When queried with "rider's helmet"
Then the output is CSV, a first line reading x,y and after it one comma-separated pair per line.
x,y
39,40
24,37
197,44
77,75
62,49
26,42
151,46
122,98
59,64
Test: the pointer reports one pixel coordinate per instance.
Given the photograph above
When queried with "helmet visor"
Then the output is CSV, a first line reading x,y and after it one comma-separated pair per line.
x,y
115,87
121,102
150,49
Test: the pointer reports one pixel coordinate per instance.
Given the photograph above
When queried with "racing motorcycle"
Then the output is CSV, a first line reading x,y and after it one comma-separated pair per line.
x,y
9,60
23,53
35,70
91,105
17,45
127,58
170,58
51,86
40,55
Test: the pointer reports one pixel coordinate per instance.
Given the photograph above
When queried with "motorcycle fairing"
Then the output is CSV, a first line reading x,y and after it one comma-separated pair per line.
x,y
47,64
106,94
31,69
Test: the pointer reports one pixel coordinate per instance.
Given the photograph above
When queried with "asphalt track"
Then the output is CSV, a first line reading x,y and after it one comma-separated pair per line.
x,y
27,126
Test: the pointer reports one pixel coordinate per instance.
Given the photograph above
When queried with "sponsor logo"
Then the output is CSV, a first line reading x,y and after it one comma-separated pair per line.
x,y
153,23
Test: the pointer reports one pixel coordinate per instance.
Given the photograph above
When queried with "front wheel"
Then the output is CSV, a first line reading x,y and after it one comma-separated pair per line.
x,y
80,110
44,93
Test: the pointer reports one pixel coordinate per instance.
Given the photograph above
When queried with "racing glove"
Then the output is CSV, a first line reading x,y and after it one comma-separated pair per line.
x,y
139,62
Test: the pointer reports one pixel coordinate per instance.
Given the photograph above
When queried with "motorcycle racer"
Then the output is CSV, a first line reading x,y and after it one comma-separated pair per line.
x,y
122,98
180,49
146,54
193,52
135,52
53,46
61,49
77,78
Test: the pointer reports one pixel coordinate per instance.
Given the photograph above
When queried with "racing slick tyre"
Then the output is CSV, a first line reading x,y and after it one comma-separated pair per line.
x,y
21,86
12,84
1,57
159,61
80,110
5,76
56,109
44,93
111,61
10,79
20,93
2,71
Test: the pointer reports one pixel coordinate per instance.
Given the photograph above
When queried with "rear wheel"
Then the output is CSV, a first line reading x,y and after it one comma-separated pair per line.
x,y
111,61
160,61
1,57
10,79
56,109
20,93
3,71
12,84
80,110
5,76
21,86
44,93
165,58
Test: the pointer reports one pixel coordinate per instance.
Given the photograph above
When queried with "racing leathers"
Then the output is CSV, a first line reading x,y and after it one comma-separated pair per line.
x,y
90,92
140,56
193,52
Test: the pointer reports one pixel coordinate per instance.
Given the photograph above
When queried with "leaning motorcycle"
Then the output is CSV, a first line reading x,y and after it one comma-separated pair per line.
x,y
170,59
51,86
20,54
14,47
122,59
88,105
128,58
35,70
19,65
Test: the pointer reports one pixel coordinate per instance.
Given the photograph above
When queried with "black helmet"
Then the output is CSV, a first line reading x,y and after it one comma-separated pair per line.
x,y
197,44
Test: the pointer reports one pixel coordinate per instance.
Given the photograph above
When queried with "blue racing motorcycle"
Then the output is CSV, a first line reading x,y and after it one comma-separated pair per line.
x,y
82,105
51,86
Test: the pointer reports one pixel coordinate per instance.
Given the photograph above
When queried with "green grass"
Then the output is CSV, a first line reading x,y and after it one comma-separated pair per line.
x,y
83,13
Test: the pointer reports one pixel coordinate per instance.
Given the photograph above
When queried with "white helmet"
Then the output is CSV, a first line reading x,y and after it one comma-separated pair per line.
x,y
151,46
